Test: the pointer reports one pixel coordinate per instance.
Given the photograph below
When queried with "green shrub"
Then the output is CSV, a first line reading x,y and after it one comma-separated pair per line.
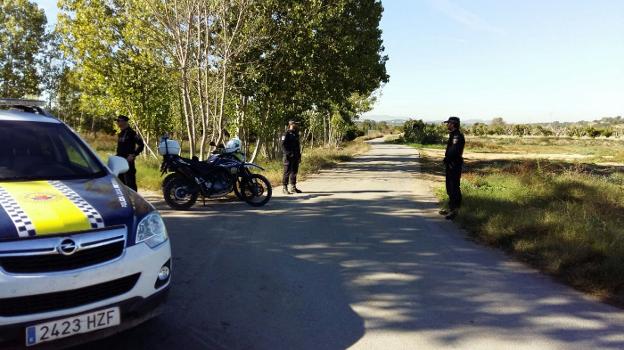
x,y
417,131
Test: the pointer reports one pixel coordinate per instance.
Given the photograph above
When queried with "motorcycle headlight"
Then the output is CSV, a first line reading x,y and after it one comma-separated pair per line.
x,y
152,230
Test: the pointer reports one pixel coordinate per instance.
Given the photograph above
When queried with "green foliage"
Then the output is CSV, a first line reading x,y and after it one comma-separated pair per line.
x,y
22,39
197,68
113,72
417,131
315,59
520,130
352,132
542,131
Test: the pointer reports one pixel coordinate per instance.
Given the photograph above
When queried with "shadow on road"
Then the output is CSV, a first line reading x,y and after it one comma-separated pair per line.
x,y
304,274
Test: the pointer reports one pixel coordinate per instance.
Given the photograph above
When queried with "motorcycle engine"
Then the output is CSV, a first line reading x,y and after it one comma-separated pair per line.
x,y
220,185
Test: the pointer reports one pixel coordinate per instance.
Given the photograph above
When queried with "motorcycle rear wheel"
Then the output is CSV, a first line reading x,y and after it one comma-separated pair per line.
x,y
177,194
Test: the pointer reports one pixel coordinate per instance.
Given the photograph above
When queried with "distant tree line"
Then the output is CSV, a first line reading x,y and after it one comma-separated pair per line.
x,y
418,131
606,127
195,68
368,126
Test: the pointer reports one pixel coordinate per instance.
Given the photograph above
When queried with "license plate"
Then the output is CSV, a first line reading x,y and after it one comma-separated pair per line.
x,y
67,327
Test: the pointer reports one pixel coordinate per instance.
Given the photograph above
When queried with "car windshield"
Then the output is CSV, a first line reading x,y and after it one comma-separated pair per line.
x,y
44,151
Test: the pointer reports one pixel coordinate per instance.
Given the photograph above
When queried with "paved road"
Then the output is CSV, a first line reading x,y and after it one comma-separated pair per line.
x,y
360,261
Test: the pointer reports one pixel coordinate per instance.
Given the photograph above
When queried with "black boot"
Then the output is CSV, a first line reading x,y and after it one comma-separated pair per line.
x,y
452,214
285,190
295,189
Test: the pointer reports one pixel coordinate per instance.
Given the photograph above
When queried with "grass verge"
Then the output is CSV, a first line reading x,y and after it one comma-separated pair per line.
x,y
563,218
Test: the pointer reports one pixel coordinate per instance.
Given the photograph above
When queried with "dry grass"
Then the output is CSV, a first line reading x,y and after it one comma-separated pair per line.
x,y
597,150
563,218
369,137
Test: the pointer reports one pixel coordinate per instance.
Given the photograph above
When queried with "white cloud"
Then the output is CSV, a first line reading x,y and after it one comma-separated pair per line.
x,y
464,16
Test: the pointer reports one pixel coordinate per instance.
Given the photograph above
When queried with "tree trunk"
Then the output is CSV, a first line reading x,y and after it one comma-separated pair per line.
x,y
222,102
255,152
183,92
146,140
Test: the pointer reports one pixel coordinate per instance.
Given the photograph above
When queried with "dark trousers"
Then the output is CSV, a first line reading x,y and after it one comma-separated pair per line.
x,y
129,178
291,168
453,177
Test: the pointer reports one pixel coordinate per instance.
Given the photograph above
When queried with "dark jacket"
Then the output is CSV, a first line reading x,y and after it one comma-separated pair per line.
x,y
129,142
454,149
291,146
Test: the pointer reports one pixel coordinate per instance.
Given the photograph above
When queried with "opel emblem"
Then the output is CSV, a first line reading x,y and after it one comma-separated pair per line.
x,y
67,247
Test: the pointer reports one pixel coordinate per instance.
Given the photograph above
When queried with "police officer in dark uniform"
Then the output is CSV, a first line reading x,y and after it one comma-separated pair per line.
x,y
453,162
129,146
292,157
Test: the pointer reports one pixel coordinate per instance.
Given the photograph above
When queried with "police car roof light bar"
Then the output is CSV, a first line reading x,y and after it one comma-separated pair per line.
x,y
32,106
21,102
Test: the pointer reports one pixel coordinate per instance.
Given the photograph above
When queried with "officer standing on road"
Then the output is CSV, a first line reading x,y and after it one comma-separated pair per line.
x,y
453,163
129,146
292,157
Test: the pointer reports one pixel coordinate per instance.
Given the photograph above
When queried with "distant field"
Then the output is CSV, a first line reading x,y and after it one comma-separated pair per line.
x,y
593,150
557,204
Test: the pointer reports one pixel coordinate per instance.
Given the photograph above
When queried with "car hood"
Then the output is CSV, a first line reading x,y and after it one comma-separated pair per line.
x,y
38,208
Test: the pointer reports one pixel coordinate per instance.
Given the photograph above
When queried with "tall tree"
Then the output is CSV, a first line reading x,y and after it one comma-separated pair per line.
x,y
245,65
313,56
22,37
113,67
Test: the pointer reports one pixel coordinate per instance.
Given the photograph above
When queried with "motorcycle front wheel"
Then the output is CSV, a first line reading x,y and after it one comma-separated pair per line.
x,y
256,190
178,195
168,178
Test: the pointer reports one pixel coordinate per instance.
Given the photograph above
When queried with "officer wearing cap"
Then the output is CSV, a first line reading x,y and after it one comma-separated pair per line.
x,y
453,162
292,157
129,145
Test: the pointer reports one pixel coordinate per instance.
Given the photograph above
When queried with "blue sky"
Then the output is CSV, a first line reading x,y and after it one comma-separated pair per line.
x,y
50,9
523,60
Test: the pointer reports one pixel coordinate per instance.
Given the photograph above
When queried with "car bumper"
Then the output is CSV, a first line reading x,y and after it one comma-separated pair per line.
x,y
133,312
139,304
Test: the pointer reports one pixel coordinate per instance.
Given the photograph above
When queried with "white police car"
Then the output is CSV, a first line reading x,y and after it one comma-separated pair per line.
x,y
81,255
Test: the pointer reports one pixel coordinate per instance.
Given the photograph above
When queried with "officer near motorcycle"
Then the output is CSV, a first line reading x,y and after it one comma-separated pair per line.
x,y
292,157
453,162
129,146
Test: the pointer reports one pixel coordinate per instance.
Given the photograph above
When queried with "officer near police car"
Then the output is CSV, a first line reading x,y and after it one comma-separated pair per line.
x,y
292,157
129,146
453,162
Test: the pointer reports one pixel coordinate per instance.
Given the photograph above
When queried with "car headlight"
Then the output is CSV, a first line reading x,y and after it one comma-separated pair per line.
x,y
152,230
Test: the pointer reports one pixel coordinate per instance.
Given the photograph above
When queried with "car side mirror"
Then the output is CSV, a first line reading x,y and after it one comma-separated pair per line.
x,y
118,165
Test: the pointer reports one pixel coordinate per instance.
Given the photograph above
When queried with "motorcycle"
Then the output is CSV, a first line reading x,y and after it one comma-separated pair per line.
x,y
224,172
